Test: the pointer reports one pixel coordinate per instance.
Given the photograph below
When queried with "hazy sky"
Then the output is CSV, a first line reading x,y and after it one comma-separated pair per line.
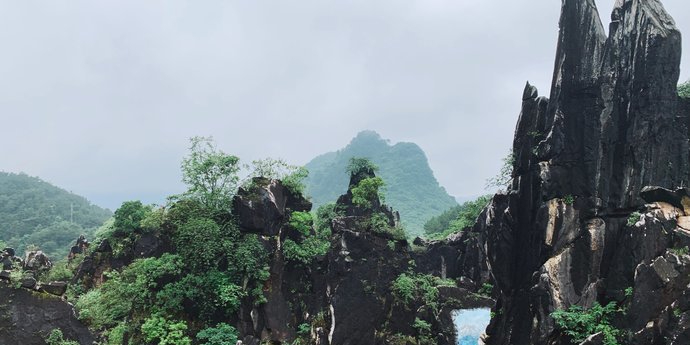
x,y
100,97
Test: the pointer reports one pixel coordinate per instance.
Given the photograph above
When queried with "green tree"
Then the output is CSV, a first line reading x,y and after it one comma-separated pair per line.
x,y
465,216
359,165
128,217
579,323
164,331
504,177
367,191
221,334
684,90
210,174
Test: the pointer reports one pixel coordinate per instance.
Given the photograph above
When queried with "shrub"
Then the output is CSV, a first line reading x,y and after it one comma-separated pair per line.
x,y
116,336
128,217
486,289
165,332
367,191
325,215
409,287
221,334
126,291
358,165
302,222
57,338
579,323
684,90
633,218
504,177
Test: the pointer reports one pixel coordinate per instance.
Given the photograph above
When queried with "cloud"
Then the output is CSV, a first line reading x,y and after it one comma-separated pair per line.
x,y
101,97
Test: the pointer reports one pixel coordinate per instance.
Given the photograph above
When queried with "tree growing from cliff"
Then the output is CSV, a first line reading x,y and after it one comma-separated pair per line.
x,y
210,174
505,175
292,176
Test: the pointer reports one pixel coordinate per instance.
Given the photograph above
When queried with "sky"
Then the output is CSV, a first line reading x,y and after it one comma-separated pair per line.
x,y
101,97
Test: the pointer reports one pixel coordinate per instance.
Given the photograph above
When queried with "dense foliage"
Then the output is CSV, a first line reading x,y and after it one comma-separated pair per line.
x,y
34,212
312,244
409,287
456,218
411,187
579,323
210,270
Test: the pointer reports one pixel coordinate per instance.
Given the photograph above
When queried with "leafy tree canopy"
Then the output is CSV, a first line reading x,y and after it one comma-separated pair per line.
x,y
210,174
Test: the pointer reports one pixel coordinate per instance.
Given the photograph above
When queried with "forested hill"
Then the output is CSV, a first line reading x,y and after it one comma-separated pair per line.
x,y
33,211
411,187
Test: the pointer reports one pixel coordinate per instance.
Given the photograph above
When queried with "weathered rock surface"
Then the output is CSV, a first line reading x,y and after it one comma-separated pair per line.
x,y
613,125
26,317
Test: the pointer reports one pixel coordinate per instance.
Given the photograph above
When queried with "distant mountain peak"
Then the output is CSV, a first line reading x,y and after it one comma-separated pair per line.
x,y
411,187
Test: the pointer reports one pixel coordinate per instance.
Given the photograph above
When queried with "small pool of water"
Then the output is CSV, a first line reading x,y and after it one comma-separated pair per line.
x,y
470,324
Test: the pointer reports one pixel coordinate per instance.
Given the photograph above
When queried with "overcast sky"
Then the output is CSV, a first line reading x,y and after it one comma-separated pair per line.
x,y
100,97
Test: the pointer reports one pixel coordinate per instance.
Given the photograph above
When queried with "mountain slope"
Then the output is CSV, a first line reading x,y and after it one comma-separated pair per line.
x,y
33,211
411,187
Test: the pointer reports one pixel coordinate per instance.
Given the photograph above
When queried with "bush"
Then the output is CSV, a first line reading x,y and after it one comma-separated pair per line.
x,y
367,191
306,251
222,334
579,323
126,291
57,338
684,90
358,165
410,287
164,331
128,217
302,222
463,216
325,215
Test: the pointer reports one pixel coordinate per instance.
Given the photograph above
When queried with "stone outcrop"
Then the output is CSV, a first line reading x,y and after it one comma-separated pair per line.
x,y
345,296
612,126
27,317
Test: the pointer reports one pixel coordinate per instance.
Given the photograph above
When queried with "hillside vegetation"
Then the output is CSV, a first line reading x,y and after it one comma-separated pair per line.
x,y
35,212
411,187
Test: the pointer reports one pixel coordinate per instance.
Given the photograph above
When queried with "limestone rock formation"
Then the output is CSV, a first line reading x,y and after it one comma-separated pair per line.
x,y
613,125
27,317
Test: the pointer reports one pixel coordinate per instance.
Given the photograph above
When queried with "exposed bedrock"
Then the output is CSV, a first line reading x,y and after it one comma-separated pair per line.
x,y
614,124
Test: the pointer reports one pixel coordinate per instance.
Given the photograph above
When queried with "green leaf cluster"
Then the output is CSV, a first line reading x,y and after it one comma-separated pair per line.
x,y
412,287
55,337
367,191
684,90
579,323
210,174
314,242
292,176
165,332
221,334
359,165
456,219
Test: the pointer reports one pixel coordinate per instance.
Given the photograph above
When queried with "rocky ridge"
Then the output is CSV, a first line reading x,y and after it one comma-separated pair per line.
x,y
564,233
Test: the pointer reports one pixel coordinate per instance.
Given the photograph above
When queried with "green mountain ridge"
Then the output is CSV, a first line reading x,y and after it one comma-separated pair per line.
x,y
411,187
35,212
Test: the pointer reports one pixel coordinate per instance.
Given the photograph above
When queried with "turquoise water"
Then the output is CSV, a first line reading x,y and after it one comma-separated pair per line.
x,y
470,324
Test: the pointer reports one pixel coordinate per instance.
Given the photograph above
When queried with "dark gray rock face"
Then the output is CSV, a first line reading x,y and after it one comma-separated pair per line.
x,y
27,317
612,126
